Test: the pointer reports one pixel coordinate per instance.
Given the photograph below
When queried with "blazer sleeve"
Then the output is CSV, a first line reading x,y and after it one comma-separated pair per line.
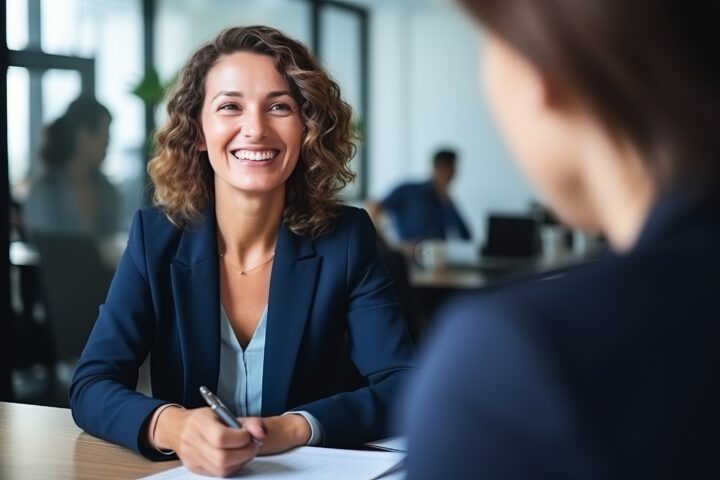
x,y
379,345
488,404
102,394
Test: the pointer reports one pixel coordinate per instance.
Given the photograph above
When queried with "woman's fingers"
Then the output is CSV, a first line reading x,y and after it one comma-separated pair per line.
x,y
211,448
225,461
255,427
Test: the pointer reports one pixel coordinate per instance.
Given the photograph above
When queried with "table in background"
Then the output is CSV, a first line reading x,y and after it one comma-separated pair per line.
x,y
485,272
44,442
434,288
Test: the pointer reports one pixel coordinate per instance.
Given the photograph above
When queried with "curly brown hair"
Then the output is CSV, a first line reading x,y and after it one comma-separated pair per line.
x,y
182,175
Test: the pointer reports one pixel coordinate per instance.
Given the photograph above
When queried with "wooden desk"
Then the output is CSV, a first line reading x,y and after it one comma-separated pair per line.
x,y
44,442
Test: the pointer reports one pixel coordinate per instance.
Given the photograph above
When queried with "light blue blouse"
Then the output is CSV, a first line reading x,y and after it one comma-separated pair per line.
x,y
241,371
241,374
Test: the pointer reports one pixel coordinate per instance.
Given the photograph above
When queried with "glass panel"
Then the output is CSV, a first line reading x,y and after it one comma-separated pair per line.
x,y
19,128
340,51
75,183
59,88
198,24
16,20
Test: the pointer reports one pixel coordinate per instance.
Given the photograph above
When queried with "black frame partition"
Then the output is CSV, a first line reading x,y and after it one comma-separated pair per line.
x,y
316,29
6,391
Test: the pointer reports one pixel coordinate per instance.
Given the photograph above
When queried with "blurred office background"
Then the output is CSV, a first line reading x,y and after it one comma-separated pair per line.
x,y
409,68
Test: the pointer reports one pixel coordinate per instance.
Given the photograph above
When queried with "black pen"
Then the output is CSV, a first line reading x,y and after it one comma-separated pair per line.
x,y
222,412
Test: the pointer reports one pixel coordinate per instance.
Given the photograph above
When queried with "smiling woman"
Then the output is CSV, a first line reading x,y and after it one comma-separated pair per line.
x,y
248,276
252,133
182,183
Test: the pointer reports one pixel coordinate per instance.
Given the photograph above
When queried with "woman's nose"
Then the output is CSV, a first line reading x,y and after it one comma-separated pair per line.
x,y
254,125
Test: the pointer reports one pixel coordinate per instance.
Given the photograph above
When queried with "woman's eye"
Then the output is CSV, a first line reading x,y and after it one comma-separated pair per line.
x,y
229,106
281,107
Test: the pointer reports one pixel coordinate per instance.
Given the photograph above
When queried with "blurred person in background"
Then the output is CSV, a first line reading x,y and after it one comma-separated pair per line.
x,y
419,211
71,196
611,109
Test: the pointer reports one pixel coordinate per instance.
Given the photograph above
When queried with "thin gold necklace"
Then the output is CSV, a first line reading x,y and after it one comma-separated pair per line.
x,y
245,272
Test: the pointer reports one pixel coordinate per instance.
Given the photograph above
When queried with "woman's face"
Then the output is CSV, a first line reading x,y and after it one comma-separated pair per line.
x,y
92,144
251,124
542,133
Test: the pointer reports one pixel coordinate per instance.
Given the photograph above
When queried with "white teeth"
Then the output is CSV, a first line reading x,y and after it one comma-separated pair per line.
x,y
255,154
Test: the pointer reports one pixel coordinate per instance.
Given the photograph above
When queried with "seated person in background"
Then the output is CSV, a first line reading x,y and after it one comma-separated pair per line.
x,y
71,195
248,276
612,371
424,210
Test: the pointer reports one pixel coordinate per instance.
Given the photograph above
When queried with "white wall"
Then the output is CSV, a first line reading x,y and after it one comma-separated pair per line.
x,y
425,94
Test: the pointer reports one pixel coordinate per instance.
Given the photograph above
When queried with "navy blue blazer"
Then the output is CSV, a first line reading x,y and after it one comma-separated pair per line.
x,y
612,371
336,346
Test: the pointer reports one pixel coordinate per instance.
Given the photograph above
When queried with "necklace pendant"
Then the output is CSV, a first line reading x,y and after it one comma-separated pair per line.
x,y
244,273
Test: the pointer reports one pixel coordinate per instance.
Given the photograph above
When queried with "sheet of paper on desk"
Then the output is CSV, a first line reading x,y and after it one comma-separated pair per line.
x,y
307,463
391,444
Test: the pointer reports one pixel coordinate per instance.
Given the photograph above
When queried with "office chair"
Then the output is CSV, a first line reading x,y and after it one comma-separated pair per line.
x,y
75,282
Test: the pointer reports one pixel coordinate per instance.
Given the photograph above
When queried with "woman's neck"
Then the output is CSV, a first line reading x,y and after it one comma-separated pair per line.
x,y
247,224
621,191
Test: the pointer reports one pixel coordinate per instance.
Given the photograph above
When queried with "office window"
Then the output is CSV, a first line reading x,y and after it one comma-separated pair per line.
x,y
198,25
340,49
59,88
79,29
62,235
18,132
16,22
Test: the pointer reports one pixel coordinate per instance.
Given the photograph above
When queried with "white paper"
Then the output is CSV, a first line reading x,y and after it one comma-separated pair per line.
x,y
307,463
391,444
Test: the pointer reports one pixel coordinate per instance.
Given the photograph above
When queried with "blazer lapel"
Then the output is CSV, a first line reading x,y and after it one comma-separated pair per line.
x,y
196,295
292,289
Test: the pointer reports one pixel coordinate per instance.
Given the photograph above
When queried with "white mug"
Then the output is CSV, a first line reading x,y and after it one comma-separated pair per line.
x,y
430,254
553,240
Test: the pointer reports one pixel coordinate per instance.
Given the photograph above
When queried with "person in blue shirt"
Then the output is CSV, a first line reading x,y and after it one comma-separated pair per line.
x,y
612,369
425,210
248,276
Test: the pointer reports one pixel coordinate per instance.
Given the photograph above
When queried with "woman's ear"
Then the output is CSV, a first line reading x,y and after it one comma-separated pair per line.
x,y
201,145
541,93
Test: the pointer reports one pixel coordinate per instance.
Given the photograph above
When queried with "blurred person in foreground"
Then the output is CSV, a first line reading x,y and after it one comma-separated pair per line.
x,y
424,210
248,276
611,108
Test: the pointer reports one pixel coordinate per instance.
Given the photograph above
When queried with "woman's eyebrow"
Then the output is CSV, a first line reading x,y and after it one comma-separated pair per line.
x,y
228,93
235,93
278,93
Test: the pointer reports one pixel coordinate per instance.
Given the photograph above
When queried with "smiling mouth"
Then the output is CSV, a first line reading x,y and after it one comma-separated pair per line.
x,y
255,155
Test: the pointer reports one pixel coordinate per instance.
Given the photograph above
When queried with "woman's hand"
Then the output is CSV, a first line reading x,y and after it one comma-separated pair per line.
x,y
204,444
282,432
